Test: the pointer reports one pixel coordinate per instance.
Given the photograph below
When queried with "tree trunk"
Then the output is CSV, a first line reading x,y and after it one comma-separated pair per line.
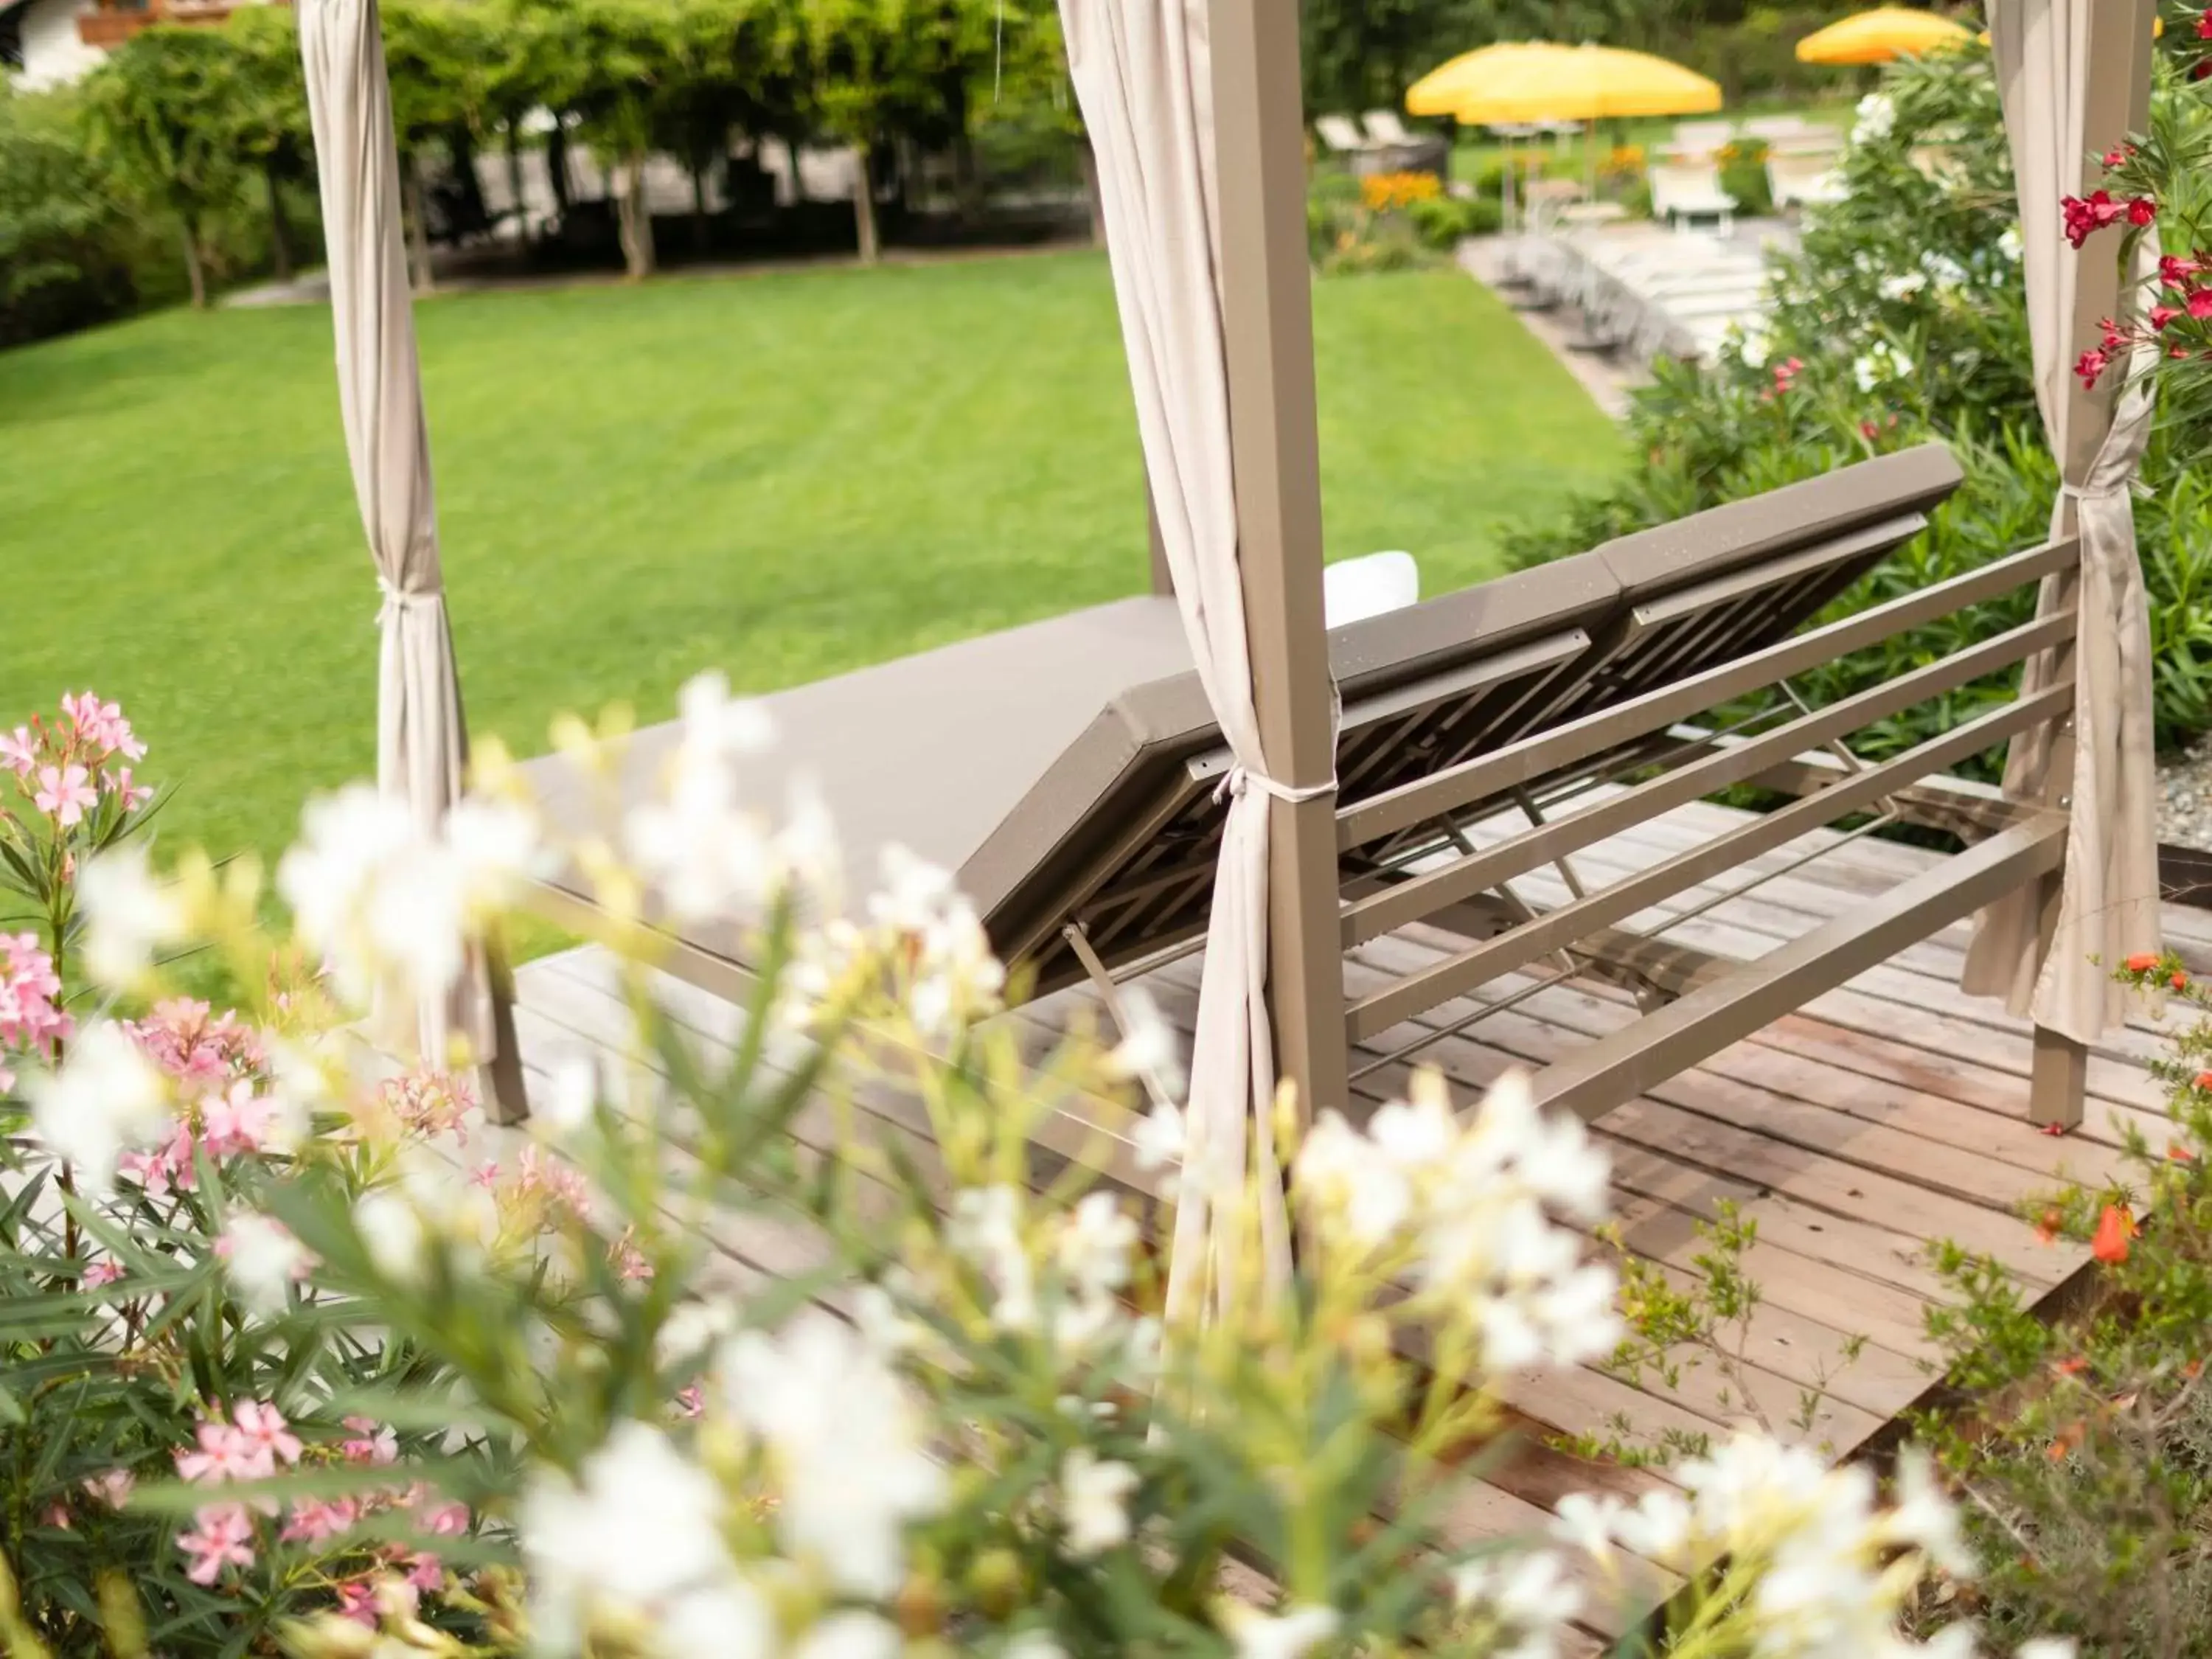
x,y
195,266
280,233
1087,158
634,219
556,169
864,206
699,207
967,180
418,225
514,184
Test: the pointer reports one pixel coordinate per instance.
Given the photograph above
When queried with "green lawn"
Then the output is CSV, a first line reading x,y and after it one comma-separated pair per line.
x,y
783,475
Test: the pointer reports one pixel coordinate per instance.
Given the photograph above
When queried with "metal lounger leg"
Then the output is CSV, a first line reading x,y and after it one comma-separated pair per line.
x,y
506,1101
1110,993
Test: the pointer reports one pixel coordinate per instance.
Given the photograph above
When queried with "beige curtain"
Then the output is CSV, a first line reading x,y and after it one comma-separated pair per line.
x,y
1142,77
421,745
2109,911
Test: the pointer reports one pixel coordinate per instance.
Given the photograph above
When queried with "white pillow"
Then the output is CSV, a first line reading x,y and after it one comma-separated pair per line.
x,y
1355,589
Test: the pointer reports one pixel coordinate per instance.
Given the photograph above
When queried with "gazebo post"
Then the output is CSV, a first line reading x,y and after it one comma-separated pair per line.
x,y
2117,73
1259,127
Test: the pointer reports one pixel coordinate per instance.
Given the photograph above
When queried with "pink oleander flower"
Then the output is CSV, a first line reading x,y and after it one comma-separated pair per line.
x,y
2085,215
57,1515
264,1427
447,1520
236,1121
100,727
223,1537
133,795
628,1261
372,1443
19,751
224,1452
171,1167
425,1571
30,1017
63,794
560,1183
112,1488
357,1601
2091,366
691,1400
429,1103
485,1174
99,1274
314,1522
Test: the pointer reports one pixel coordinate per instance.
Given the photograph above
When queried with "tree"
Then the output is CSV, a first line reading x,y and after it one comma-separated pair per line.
x,y
614,60
878,68
149,110
266,113
61,259
436,56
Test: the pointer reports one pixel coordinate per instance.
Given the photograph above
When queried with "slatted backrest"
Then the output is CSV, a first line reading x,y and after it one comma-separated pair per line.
x,y
1122,834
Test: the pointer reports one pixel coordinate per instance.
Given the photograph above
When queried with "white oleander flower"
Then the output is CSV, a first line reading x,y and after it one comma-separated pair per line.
x,y
129,915
1877,119
1095,1244
1094,1502
841,1635
846,1444
636,1534
393,1234
106,1098
1257,1635
1148,1050
263,1260
1159,1139
986,1227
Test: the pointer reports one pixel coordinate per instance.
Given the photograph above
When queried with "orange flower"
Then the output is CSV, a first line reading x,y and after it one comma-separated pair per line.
x,y
2203,1080
2047,1229
2072,1367
2179,981
2178,1153
2114,1229
2143,961
2067,1439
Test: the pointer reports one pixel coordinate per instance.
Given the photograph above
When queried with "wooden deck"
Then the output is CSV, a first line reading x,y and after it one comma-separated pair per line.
x,y
1884,1116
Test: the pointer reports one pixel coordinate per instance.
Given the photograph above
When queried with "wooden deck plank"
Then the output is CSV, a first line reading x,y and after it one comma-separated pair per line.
x,y
1883,1117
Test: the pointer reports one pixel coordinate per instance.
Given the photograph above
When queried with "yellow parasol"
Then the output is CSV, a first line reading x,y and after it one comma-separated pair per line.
x,y
1878,36
1583,83
1442,90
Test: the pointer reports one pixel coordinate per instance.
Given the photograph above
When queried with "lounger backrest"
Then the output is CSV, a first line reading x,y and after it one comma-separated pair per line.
x,y
1384,127
1340,134
1122,832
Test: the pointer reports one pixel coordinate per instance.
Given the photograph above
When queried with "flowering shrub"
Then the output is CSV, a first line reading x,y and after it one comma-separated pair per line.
x,y
2085,1444
1394,192
526,1407
157,1331
1904,315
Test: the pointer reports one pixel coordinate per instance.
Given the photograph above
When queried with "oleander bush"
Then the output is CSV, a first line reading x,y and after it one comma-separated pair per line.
x,y
1902,319
294,1359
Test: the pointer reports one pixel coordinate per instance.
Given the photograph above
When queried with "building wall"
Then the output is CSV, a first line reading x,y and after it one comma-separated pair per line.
x,y
53,52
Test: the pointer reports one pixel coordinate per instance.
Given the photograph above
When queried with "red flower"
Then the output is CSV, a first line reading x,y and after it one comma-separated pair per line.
x,y
2205,27
1869,431
2161,315
2142,210
2178,1153
2114,1229
2175,272
2085,216
2203,1080
2143,961
2198,71
2047,1229
2200,303
2072,1367
2091,368
2179,981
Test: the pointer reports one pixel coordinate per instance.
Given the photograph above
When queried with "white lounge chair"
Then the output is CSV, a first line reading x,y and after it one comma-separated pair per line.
x,y
1703,137
1383,127
1680,196
1803,181
1342,135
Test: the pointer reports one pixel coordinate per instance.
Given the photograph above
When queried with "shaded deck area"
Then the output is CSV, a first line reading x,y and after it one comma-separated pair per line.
x,y
1881,1118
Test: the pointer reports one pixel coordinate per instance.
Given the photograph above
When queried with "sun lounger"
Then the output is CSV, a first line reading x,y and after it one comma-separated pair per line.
x,y
1803,181
1704,137
1068,770
1682,195
1342,135
1383,127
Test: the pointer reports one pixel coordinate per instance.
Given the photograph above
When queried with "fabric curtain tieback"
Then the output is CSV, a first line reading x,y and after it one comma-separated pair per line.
x,y
2103,492
401,601
1242,778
